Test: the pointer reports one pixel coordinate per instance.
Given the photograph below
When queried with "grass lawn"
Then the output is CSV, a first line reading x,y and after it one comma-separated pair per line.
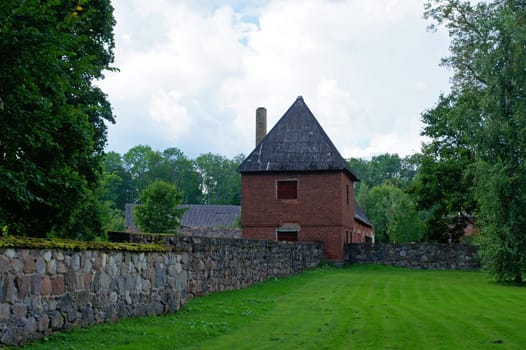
x,y
358,307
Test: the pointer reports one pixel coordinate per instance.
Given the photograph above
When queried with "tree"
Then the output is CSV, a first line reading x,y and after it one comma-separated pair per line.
x,y
380,193
52,116
443,185
393,214
159,208
113,192
180,170
143,165
115,186
398,171
220,182
406,223
488,58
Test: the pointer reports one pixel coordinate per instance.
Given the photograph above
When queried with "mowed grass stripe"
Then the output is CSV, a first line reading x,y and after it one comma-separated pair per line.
x,y
321,316
485,310
360,307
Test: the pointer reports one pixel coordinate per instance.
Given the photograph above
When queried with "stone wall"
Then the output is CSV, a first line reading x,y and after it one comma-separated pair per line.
x,y
211,232
48,290
415,255
216,264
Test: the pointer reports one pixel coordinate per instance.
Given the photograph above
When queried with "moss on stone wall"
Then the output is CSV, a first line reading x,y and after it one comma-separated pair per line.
x,y
54,243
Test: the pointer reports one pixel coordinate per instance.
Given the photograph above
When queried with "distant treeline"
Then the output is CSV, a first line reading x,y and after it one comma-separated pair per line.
x,y
387,190
207,179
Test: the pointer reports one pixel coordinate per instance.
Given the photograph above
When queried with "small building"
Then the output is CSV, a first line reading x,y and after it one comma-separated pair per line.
x,y
363,228
200,220
296,186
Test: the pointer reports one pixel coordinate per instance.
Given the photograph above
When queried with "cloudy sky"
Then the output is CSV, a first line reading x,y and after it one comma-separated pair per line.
x,y
192,73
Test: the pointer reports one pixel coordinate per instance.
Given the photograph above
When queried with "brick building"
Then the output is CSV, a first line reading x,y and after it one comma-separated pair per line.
x,y
297,187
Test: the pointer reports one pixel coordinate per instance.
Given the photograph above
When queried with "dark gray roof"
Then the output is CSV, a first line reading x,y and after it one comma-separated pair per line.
x,y
196,215
209,215
360,215
296,143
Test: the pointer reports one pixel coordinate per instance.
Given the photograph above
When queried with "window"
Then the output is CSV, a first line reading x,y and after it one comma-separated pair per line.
x,y
287,189
347,195
288,232
287,236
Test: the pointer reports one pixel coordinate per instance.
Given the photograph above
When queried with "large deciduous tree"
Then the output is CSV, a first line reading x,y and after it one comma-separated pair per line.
x,y
181,170
381,195
115,186
159,208
144,165
220,183
392,213
443,186
52,116
385,167
488,58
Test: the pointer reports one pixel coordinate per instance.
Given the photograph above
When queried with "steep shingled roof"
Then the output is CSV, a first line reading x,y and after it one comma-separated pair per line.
x,y
296,143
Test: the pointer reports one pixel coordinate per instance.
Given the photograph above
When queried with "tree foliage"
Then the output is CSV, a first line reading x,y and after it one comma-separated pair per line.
x,y
180,170
158,210
52,116
220,182
385,167
443,185
488,59
143,166
392,213
115,186
381,193
210,178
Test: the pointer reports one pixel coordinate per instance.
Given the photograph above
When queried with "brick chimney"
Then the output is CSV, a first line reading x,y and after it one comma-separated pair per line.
x,y
261,124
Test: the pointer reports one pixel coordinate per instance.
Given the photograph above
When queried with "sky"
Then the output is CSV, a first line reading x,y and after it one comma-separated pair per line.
x,y
192,73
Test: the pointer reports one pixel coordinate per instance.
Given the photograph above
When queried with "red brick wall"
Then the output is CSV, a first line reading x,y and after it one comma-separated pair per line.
x,y
321,209
360,232
347,201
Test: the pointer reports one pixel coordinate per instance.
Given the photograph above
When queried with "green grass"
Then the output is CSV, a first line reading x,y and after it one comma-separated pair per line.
x,y
359,307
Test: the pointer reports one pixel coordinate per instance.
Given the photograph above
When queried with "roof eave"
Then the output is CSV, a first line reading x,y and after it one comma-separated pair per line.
x,y
368,224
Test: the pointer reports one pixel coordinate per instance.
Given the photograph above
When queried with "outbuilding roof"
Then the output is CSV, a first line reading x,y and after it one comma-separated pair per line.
x,y
360,215
196,215
296,143
209,215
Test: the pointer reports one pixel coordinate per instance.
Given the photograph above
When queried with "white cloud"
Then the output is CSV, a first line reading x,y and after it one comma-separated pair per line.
x,y
367,69
383,143
167,109
193,55
342,117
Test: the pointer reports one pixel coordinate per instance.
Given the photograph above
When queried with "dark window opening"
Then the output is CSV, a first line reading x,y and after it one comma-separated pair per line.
x,y
287,236
287,189
347,195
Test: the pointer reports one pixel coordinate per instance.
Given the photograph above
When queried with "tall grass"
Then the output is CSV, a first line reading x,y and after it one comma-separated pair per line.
x,y
360,307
